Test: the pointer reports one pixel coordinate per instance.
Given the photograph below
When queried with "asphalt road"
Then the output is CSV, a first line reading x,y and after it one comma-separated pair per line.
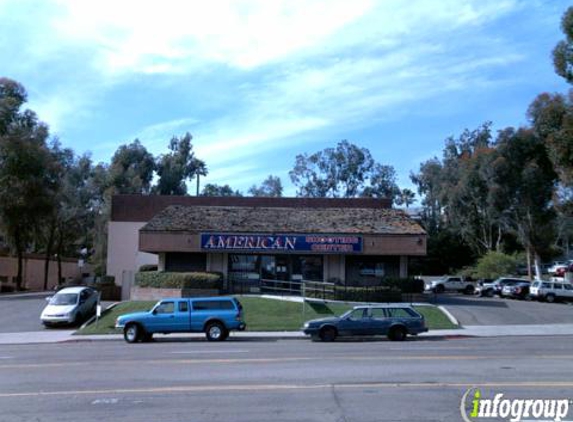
x,y
22,314
287,380
472,310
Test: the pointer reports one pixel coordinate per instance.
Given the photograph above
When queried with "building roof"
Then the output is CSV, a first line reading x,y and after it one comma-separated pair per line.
x,y
177,218
141,208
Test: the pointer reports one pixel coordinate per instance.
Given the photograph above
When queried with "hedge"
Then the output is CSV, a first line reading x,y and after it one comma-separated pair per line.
x,y
169,280
389,290
148,267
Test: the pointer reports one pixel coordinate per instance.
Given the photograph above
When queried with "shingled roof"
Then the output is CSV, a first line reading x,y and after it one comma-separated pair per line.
x,y
282,220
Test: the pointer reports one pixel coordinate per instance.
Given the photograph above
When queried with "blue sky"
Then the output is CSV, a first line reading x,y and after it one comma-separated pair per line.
x,y
258,82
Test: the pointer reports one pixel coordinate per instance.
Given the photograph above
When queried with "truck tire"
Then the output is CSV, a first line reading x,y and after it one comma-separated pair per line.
x,y
215,331
439,288
132,333
469,290
550,298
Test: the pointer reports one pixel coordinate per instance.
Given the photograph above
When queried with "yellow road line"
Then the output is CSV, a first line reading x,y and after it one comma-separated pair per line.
x,y
282,387
284,360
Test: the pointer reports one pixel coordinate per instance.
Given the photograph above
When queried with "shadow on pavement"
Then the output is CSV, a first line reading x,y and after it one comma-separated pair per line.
x,y
470,301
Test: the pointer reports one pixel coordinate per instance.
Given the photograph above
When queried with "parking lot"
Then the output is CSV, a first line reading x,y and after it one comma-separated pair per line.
x,y
21,313
473,310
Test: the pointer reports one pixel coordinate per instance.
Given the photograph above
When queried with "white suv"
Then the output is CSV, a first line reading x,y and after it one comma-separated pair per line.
x,y
551,291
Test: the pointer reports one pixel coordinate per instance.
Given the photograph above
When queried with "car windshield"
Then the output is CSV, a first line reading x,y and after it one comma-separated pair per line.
x,y
353,314
62,299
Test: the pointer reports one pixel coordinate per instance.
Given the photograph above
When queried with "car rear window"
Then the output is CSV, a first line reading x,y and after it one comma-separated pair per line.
x,y
212,305
400,313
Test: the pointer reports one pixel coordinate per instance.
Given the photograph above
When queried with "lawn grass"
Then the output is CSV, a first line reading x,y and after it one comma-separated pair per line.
x,y
435,318
267,315
106,324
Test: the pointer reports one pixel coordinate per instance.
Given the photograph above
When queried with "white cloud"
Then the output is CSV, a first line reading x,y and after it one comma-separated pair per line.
x,y
300,65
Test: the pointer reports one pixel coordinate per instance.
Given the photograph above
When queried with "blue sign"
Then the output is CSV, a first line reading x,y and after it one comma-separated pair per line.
x,y
318,243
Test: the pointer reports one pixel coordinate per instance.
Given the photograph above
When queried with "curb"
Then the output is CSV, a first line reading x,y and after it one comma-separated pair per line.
x,y
452,318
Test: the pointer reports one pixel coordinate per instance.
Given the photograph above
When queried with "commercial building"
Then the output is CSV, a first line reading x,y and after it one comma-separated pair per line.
x,y
263,242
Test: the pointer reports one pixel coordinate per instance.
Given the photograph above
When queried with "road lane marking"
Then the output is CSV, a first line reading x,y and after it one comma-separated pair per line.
x,y
286,360
283,387
208,352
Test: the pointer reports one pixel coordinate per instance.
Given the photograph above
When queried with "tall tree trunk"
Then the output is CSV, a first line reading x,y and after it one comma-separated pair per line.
x,y
20,269
528,252
536,261
49,247
59,253
20,255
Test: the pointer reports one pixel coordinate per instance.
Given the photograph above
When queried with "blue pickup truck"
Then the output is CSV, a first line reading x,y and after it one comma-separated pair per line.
x,y
214,316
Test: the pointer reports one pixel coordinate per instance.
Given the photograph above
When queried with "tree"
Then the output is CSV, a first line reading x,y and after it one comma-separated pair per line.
x,y
429,183
27,182
178,166
495,264
406,197
552,118
523,181
131,169
345,171
271,187
563,52
211,189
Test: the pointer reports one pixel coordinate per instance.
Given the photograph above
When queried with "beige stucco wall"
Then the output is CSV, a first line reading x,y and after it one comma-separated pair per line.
x,y
33,272
123,249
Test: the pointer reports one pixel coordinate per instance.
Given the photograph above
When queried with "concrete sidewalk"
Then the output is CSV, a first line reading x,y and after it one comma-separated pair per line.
x,y
63,336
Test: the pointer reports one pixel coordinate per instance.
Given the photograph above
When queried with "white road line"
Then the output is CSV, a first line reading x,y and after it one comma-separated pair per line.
x,y
208,352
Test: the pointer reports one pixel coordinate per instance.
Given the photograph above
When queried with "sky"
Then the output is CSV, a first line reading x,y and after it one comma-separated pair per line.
x,y
258,82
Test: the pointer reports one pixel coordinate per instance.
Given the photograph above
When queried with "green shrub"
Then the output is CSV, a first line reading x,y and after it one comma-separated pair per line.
x,y
169,280
494,265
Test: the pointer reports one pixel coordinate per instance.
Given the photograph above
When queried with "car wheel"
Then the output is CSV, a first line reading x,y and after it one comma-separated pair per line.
x,y
215,331
439,289
550,298
132,333
397,334
489,293
328,334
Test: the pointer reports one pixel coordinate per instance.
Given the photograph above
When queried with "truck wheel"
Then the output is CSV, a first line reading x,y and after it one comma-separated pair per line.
x,y
215,331
132,333
439,288
469,290
550,298
397,334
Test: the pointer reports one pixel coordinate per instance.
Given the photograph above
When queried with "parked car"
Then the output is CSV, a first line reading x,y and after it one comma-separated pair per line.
x,y
70,306
558,265
214,316
564,269
551,291
451,283
495,287
394,321
517,290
